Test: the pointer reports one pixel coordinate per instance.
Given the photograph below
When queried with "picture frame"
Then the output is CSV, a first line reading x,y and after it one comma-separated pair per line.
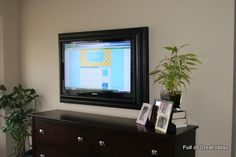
x,y
153,116
163,115
144,114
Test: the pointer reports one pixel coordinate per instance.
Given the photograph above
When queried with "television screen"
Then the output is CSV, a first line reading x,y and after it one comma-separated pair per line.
x,y
105,68
98,65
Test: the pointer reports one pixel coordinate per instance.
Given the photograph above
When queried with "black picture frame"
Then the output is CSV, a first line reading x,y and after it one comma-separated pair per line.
x,y
139,69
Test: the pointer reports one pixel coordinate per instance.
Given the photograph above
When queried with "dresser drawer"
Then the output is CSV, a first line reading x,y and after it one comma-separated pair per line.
x,y
59,138
148,147
47,151
121,144
108,144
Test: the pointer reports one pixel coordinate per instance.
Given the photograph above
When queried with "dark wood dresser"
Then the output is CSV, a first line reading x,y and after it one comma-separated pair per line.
x,y
61,133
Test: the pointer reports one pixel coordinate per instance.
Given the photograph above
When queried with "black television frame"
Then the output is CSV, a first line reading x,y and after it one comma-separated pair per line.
x,y
139,67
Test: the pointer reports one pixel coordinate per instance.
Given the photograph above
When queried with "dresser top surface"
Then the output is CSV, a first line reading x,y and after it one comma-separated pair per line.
x,y
111,122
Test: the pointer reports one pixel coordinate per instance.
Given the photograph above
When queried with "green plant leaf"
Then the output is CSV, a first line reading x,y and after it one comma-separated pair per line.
x,y
154,72
29,111
169,48
3,88
175,49
183,46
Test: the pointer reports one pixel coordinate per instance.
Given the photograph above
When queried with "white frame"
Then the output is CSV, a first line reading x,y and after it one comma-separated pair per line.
x,y
144,114
163,118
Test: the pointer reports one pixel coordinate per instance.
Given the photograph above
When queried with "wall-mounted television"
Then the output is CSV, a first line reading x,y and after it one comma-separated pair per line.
x,y
106,67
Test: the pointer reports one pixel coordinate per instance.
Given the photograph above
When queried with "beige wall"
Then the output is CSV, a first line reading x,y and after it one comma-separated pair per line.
x,y
1,6
9,57
1,49
2,136
11,43
206,24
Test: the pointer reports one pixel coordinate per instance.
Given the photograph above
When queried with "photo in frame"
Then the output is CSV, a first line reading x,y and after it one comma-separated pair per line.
x,y
144,114
153,116
163,115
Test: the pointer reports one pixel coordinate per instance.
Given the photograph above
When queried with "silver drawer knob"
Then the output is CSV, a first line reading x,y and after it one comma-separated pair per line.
x,y
154,152
41,131
102,143
80,139
42,155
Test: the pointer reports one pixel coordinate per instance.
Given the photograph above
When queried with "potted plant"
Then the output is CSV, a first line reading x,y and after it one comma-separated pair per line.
x,y
18,121
173,72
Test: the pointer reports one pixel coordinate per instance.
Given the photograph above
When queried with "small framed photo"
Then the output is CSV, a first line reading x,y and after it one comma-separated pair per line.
x,y
163,115
144,114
